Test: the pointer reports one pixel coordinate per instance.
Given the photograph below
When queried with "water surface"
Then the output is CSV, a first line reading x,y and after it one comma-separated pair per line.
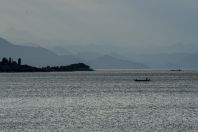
x,y
99,101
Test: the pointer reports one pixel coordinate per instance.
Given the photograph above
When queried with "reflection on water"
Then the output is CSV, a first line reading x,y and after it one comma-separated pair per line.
x,y
99,101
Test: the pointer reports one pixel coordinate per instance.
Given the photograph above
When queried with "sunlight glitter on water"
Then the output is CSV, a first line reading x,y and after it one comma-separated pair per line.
x,y
99,101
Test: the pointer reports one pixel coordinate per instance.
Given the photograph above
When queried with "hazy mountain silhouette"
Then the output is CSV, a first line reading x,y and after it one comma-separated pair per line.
x,y
89,56
36,56
163,60
4,43
173,60
109,62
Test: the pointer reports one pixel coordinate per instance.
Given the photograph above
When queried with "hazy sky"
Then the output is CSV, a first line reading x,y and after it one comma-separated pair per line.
x,y
113,22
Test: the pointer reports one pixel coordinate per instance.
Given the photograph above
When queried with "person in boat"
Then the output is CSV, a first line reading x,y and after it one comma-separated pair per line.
x,y
147,79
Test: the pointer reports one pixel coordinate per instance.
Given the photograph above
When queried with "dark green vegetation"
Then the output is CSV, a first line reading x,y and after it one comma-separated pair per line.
x,y
9,65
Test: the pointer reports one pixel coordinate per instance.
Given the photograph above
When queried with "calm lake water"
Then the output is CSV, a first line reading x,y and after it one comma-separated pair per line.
x,y
99,101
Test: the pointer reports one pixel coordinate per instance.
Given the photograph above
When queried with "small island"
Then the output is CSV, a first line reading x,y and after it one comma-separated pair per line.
x,y
9,65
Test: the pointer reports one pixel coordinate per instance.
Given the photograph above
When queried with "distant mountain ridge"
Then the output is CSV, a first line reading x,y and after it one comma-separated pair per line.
x,y
169,61
38,56
109,62
4,42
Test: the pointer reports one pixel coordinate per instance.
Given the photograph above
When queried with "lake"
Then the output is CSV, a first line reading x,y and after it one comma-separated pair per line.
x,y
99,101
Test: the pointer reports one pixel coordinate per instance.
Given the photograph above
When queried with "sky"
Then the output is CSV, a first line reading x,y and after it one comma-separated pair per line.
x,y
126,23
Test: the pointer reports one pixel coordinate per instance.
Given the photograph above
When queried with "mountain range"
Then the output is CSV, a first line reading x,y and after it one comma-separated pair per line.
x,y
35,55
39,56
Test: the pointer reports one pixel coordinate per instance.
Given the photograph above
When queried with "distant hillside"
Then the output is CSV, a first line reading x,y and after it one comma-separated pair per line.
x,y
4,43
174,60
167,57
88,56
36,56
109,62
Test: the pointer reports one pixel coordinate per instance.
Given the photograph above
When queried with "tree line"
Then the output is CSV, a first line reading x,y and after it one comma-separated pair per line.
x,y
10,65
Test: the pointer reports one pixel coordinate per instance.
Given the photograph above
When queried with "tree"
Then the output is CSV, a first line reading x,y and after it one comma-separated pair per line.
x,y
4,61
19,61
10,60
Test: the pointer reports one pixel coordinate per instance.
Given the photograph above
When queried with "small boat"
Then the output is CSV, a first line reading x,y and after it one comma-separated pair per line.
x,y
176,70
142,80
